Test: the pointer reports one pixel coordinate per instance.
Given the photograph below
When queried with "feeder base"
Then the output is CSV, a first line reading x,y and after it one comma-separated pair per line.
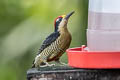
x,y
81,58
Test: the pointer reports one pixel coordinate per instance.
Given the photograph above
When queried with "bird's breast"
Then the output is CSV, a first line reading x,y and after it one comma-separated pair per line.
x,y
65,40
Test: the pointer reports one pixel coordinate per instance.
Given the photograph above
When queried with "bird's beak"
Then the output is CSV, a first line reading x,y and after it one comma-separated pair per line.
x,y
68,15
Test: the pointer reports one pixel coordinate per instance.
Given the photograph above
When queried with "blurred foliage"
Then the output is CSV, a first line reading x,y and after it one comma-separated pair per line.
x,y
24,24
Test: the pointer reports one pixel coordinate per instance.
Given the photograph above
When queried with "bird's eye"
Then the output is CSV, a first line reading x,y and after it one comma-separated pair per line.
x,y
57,20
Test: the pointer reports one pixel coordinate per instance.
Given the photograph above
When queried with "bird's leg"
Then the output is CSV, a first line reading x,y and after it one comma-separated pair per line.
x,y
61,63
47,64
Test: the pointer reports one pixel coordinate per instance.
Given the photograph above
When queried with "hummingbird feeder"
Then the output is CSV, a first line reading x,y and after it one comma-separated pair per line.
x,y
103,37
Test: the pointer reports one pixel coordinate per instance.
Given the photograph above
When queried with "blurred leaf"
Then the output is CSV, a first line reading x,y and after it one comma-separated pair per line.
x,y
21,38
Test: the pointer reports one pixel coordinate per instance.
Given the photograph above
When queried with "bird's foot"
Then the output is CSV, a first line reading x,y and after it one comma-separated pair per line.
x,y
47,65
43,65
51,65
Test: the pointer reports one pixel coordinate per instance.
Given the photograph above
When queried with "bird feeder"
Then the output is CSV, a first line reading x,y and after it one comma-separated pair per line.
x,y
103,37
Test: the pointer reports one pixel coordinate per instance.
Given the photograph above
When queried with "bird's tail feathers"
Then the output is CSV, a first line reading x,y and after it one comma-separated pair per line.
x,y
33,65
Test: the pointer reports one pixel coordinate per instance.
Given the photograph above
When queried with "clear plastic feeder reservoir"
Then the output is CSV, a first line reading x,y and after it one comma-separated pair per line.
x,y
103,33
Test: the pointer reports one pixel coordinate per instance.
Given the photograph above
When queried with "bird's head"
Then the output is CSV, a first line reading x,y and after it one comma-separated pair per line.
x,y
61,21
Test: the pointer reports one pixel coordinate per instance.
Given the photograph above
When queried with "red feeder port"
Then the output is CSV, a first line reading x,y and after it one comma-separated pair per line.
x,y
81,58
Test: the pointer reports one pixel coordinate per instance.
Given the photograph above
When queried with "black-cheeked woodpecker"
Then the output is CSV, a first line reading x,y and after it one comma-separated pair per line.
x,y
55,44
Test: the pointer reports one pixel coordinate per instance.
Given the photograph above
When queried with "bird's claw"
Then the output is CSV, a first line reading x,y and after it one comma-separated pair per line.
x,y
51,65
48,65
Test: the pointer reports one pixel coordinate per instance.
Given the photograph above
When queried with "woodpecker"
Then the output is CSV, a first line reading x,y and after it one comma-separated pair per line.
x,y
55,44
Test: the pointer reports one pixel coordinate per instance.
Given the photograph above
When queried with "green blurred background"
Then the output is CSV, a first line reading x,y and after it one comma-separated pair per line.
x,y
24,24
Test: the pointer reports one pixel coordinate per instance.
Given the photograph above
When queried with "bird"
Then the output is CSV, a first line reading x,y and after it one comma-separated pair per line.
x,y
55,45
